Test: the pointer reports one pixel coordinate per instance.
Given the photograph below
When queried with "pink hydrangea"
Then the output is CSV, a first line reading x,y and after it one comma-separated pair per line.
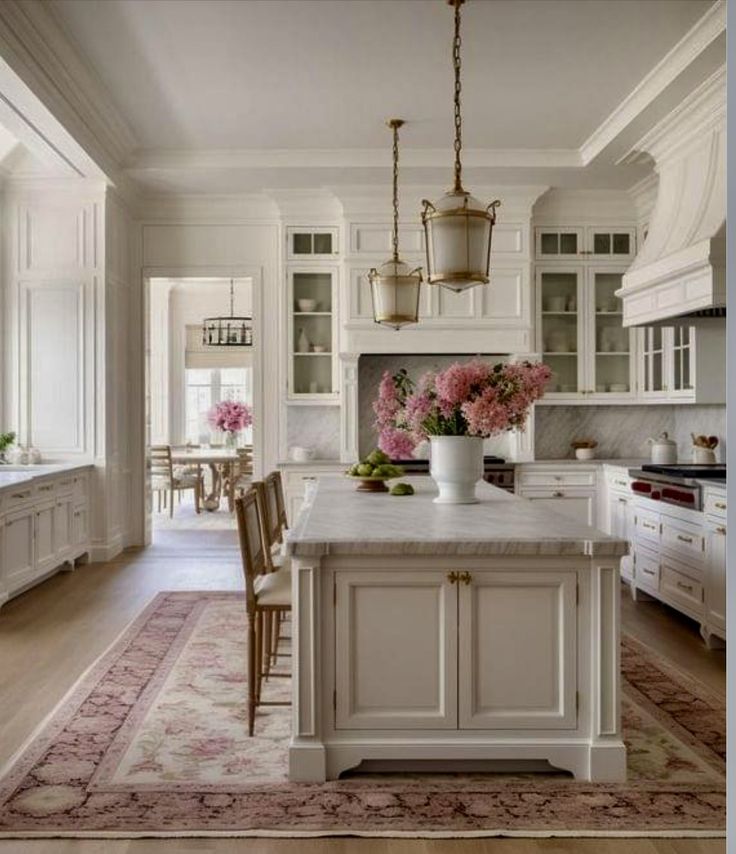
x,y
397,443
471,399
455,384
230,416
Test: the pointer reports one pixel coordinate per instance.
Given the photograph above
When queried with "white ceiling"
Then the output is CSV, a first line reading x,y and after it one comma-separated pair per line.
x,y
296,75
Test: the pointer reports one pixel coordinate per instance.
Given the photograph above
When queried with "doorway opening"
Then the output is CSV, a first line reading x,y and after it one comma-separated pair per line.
x,y
202,396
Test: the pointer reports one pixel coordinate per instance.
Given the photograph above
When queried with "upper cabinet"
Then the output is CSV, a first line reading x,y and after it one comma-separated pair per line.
x,y
580,334
307,244
612,243
312,334
682,364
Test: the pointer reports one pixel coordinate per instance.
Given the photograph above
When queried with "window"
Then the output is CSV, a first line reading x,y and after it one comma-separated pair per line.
x,y
207,386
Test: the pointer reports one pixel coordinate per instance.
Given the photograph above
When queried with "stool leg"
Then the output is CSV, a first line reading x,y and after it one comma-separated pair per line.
x,y
276,634
251,672
259,654
268,619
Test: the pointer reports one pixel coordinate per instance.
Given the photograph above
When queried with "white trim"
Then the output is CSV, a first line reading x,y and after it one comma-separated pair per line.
x,y
683,54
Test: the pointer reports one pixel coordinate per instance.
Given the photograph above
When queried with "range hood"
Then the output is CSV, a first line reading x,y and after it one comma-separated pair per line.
x,y
679,274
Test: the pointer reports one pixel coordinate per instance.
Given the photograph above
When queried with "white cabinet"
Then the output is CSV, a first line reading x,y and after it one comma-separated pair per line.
x,y
386,677
581,336
569,490
512,624
45,553
43,525
613,243
303,244
682,364
312,335
715,564
63,533
473,633
558,243
619,516
17,554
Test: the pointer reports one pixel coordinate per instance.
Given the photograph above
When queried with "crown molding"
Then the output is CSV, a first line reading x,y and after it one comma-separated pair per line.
x,y
701,113
683,54
40,52
162,160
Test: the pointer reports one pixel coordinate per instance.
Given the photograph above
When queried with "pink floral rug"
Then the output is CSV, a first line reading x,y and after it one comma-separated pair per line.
x,y
153,741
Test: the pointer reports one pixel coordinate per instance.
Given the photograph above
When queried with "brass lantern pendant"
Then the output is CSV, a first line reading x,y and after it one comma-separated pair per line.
x,y
457,227
394,285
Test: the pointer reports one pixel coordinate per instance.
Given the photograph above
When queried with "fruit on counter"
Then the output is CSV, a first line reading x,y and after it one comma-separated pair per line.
x,y
702,441
402,489
377,465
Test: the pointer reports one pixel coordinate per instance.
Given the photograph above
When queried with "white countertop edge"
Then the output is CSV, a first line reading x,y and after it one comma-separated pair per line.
x,y
32,473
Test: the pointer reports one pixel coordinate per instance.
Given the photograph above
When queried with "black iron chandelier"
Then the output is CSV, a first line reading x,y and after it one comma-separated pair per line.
x,y
228,331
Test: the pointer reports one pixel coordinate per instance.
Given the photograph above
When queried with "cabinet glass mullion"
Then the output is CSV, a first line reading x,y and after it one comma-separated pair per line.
x,y
611,341
559,300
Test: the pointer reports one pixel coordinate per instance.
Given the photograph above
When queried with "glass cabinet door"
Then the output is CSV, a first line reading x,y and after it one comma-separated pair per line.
x,y
654,379
556,243
311,334
611,359
560,296
683,337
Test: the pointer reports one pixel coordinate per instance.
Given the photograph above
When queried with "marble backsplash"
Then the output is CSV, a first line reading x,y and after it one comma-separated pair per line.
x,y
315,427
622,431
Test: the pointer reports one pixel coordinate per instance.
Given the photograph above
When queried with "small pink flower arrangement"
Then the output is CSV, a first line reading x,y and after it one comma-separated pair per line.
x,y
230,416
467,399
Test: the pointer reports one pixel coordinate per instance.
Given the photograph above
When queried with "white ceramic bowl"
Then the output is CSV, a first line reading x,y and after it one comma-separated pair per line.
x,y
307,304
585,453
319,348
302,455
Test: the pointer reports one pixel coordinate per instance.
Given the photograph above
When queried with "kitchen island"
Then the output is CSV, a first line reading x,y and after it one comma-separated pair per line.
x,y
452,632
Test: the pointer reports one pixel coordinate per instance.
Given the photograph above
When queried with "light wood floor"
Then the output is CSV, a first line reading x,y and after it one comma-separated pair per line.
x,y
51,634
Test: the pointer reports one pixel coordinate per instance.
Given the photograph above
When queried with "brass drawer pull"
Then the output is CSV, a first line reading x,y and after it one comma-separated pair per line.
x,y
558,494
648,571
648,526
45,488
684,539
720,530
720,505
623,500
684,586
20,495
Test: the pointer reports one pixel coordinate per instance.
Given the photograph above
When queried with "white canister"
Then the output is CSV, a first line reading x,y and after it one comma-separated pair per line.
x,y
663,450
703,456
302,455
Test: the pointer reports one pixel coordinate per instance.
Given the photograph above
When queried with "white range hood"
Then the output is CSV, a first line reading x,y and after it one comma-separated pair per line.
x,y
680,271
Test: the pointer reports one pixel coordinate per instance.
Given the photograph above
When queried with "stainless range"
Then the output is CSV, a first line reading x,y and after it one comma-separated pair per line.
x,y
679,485
496,470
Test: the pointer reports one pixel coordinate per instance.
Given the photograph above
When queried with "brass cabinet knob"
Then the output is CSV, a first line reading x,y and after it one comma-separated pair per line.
x,y
466,577
453,577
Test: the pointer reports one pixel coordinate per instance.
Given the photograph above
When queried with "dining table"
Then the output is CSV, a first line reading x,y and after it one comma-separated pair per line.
x,y
218,459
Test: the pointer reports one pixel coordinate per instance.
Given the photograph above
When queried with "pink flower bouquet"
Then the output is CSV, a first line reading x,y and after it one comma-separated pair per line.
x,y
467,399
230,416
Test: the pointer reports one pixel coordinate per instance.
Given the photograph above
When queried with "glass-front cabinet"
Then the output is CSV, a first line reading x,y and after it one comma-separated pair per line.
x,y
582,337
308,244
666,364
312,334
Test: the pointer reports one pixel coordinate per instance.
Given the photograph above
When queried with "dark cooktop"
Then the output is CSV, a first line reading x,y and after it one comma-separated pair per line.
x,y
714,471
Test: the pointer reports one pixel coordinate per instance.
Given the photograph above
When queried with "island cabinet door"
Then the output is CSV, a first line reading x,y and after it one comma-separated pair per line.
x,y
396,650
517,650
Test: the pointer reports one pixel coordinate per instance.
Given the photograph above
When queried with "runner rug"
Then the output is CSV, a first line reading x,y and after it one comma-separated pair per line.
x,y
153,741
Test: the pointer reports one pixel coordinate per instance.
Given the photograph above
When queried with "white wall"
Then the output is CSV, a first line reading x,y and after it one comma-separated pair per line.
x,y
67,283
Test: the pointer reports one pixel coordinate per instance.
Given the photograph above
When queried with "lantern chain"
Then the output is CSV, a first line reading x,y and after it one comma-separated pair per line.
x,y
395,238
457,65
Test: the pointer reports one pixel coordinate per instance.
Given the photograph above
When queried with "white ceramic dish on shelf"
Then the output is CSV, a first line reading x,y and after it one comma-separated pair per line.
x,y
307,304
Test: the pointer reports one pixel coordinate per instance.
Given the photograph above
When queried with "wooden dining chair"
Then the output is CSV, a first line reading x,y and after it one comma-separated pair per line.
x,y
266,594
239,476
165,480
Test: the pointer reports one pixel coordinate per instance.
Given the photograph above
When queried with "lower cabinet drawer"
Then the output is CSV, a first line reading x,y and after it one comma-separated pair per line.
x,y
571,476
647,525
646,569
681,589
685,539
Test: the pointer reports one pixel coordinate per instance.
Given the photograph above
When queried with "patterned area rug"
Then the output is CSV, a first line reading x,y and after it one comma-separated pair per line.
x,y
153,741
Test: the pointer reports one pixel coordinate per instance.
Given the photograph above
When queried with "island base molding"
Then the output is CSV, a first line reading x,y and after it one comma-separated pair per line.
x,y
317,763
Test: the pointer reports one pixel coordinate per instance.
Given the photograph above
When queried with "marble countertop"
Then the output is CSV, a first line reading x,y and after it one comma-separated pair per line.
x,y
13,476
340,520
293,464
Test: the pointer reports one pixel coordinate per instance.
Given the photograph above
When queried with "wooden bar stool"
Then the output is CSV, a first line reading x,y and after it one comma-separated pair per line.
x,y
266,593
276,525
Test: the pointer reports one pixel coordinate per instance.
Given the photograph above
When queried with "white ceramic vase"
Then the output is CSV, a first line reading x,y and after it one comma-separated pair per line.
x,y
456,466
